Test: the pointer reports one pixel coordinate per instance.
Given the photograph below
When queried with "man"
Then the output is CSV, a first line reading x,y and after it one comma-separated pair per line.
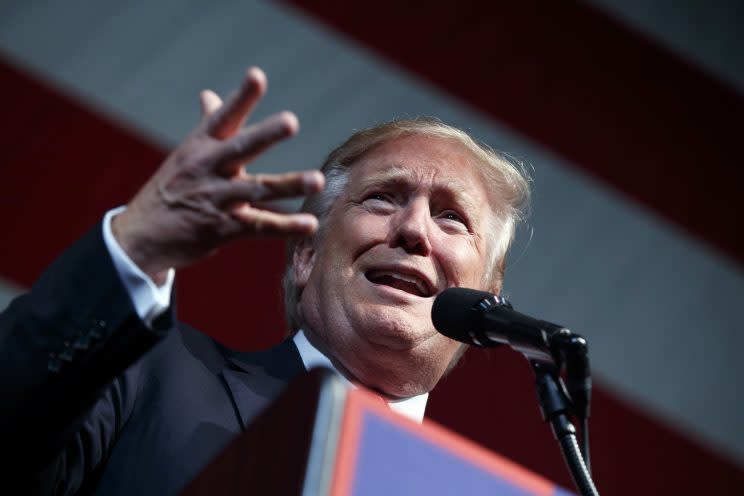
x,y
104,392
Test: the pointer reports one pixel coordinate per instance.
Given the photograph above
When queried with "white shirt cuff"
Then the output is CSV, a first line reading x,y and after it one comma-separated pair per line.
x,y
150,301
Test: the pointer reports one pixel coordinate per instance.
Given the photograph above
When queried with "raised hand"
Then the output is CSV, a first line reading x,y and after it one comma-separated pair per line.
x,y
201,197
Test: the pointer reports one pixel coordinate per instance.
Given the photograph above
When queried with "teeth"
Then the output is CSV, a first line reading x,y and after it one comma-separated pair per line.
x,y
421,285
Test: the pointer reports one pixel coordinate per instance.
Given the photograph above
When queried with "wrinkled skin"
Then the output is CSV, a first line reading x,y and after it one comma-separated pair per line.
x,y
408,225
201,197
393,240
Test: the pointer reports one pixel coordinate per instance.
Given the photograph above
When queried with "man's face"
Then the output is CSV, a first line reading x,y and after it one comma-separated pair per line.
x,y
411,222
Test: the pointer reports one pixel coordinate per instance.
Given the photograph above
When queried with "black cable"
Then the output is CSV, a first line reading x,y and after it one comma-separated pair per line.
x,y
585,444
576,465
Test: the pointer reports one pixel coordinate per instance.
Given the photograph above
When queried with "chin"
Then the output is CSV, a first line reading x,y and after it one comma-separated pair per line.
x,y
417,378
393,328
400,359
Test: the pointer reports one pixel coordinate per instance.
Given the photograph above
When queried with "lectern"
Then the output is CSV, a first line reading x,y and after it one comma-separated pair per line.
x,y
322,438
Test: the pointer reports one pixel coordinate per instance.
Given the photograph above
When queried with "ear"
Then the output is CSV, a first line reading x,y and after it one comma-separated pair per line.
x,y
303,261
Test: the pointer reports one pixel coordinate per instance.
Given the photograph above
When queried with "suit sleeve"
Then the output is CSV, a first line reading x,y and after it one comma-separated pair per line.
x,y
66,353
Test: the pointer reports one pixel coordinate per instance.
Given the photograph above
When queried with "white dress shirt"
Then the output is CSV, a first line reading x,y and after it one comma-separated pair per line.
x,y
151,300
412,407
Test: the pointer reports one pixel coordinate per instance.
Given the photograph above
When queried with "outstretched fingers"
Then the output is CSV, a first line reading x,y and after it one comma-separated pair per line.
x,y
268,187
251,141
228,118
267,223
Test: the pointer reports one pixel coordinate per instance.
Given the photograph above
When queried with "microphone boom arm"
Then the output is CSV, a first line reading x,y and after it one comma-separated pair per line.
x,y
555,407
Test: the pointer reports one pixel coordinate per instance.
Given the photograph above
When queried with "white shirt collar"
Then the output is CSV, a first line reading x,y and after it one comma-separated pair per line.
x,y
412,407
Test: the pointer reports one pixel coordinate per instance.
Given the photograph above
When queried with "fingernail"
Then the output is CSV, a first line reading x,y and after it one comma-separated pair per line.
x,y
313,182
308,221
291,122
256,73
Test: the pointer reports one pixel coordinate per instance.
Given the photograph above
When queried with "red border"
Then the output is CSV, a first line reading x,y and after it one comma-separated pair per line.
x,y
346,456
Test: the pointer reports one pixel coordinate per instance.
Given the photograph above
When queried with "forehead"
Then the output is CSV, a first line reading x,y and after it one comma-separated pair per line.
x,y
413,160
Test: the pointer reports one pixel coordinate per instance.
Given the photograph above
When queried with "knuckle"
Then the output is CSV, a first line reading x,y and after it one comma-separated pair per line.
x,y
258,192
236,147
193,154
261,136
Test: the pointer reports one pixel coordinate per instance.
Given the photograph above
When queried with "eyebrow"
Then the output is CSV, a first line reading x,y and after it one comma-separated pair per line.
x,y
395,174
399,175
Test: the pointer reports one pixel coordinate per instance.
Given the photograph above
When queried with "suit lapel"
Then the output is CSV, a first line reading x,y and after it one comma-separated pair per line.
x,y
255,379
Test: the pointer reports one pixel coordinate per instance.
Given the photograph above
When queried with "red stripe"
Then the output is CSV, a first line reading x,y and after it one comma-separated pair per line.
x,y
64,165
574,80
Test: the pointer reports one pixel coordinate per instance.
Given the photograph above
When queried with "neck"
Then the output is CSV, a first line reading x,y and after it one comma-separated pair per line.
x,y
411,407
378,370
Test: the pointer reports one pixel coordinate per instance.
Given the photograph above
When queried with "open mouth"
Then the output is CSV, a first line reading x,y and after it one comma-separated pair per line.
x,y
403,282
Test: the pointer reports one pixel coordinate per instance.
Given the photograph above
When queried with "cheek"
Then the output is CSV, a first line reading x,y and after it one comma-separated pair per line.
x,y
347,239
462,264
361,230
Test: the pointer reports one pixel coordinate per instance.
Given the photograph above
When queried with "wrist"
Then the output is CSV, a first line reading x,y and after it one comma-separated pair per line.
x,y
141,253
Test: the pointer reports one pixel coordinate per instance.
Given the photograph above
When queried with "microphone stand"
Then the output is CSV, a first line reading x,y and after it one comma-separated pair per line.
x,y
555,406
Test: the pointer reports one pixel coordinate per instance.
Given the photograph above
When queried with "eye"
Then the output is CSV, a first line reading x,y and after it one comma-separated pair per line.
x,y
377,196
379,201
453,216
453,222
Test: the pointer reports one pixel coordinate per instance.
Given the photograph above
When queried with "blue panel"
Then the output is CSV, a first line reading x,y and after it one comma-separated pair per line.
x,y
562,492
392,460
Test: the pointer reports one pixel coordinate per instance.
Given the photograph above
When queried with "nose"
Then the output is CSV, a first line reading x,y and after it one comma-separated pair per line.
x,y
411,230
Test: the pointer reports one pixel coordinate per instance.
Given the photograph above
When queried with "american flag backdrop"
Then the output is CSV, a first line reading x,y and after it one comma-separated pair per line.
x,y
630,113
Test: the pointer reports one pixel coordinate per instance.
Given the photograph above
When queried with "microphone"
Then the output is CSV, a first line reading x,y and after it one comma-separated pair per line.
x,y
482,319
485,320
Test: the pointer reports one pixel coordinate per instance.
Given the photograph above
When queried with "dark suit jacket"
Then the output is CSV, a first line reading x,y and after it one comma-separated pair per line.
x,y
94,402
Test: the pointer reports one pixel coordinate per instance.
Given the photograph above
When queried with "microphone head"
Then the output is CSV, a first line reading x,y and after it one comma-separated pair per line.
x,y
458,313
